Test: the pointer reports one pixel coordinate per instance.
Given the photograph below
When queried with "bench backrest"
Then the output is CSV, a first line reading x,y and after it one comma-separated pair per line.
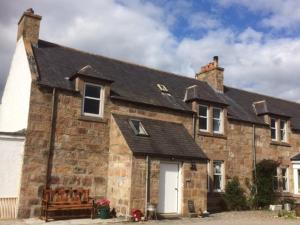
x,y
66,196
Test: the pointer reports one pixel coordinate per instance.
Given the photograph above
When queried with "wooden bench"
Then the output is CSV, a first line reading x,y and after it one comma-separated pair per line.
x,y
61,199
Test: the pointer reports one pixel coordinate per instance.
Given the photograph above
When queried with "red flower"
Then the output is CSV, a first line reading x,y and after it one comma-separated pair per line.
x,y
103,202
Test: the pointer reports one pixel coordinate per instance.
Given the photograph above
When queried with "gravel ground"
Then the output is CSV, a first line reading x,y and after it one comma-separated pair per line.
x,y
226,218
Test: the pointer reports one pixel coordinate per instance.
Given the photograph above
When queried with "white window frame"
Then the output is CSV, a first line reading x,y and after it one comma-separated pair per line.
x,y
284,130
141,128
296,167
285,177
222,174
206,117
220,119
101,100
274,128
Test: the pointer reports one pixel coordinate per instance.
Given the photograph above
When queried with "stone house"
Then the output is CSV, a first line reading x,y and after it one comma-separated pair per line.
x,y
136,135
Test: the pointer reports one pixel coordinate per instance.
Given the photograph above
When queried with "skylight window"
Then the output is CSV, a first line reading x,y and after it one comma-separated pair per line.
x,y
138,127
163,88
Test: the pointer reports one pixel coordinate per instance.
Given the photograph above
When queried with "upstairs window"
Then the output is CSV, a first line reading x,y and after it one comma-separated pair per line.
x,y
138,127
93,100
203,115
283,131
273,129
217,120
218,175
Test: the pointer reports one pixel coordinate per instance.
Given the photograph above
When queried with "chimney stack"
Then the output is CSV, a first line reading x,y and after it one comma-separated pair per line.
x,y
29,27
213,75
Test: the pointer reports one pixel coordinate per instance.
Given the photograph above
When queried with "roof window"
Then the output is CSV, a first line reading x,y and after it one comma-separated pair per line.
x,y
138,127
163,88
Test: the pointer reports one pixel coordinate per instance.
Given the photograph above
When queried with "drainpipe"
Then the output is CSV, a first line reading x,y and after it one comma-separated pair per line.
x,y
147,186
51,139
194,126
254,155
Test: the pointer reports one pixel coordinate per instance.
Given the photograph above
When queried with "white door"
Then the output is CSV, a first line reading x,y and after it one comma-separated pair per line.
x,y
168,188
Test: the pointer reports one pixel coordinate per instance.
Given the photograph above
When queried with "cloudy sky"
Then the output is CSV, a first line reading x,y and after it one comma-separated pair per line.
x,y
258,44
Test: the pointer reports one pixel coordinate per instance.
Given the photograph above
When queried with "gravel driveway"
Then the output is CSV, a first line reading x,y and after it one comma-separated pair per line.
x,y
226,218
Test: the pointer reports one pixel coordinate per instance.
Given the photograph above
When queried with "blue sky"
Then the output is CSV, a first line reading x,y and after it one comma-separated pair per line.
x,y
258,42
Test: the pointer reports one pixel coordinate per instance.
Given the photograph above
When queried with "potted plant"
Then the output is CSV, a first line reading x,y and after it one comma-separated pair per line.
x,y
103,208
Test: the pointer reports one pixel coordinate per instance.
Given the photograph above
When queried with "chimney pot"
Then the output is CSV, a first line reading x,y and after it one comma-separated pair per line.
x,y
216,60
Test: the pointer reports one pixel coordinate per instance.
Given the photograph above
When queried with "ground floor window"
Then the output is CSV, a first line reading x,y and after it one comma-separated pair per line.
x,y
280,179
296,168
218,177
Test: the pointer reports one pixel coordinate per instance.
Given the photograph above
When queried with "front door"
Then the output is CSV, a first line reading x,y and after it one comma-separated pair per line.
x,y
168,188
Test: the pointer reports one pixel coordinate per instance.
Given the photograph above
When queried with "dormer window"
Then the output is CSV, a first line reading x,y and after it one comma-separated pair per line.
x,y
283,131
211,119
278,130
138,127
203,118
162,88
93,100
217,120
273,129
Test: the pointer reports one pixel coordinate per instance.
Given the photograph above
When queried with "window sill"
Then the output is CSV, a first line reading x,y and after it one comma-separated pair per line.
x,y
92,119
277,143
215,135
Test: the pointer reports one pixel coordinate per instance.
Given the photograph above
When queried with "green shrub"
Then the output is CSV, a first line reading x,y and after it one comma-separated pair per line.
x,y
234,196
265,171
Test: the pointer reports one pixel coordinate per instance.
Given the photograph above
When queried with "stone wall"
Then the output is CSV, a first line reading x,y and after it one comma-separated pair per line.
x,y
194,185
119,172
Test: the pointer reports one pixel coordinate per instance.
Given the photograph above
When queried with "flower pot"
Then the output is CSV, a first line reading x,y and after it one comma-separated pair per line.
x,y
287,207
103,212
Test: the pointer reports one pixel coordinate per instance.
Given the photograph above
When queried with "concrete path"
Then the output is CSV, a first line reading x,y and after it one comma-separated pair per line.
x,y
227,218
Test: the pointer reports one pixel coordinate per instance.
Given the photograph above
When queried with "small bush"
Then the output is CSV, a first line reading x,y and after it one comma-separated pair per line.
x,y
234,196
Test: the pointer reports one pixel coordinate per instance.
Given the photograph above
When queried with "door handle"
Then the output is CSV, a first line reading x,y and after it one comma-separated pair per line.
x,y
176,189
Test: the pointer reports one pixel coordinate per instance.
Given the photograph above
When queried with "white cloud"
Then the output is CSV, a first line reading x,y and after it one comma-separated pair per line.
x,y
139,33
203,21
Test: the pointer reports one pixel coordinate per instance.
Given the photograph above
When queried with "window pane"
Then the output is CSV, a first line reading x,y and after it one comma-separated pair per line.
x,y
284,178
203,111
282,124
216,113
273,123
138,127
216,125
273,134
217,182
282,135
217,167
91,106
92,91
203,123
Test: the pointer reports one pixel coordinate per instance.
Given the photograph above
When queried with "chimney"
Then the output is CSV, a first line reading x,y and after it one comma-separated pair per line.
x,y
29,26
212,74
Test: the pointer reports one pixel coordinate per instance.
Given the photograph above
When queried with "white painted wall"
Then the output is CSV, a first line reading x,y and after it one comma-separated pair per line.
x,y
11,160
15,101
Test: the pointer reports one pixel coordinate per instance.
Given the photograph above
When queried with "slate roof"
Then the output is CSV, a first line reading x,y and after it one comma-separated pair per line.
x,y
89,71
166,139
135,83
296,157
